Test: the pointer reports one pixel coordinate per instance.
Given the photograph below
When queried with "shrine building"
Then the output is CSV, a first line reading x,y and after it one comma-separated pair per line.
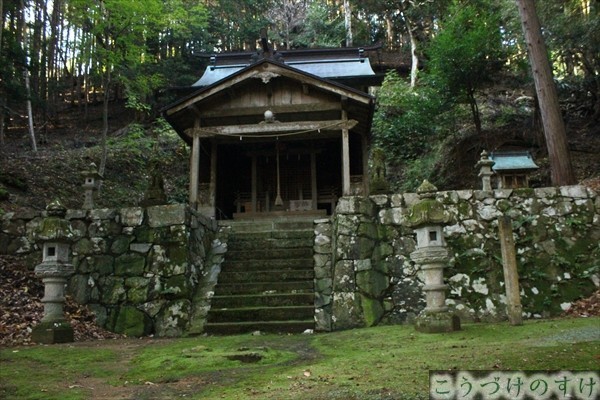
x,y
278,132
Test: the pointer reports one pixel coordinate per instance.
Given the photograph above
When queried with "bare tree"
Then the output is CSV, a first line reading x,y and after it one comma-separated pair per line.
x,y
554,127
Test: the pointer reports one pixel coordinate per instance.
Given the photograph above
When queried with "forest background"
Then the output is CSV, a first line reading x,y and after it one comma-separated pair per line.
x,y
90,76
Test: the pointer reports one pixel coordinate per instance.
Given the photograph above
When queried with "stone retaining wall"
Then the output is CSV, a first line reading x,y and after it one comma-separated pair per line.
x,y
373,280
137,268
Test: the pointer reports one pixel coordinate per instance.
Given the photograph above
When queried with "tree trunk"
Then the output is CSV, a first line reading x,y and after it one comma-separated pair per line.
x,y
106,86
23,38
414,65
554,127
475,112
1,20
2,119
29,111
348,22
389,31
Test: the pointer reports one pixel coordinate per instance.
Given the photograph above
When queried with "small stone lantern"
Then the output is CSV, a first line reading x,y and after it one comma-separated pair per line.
x,y
485,170
56,234
427,217
90,184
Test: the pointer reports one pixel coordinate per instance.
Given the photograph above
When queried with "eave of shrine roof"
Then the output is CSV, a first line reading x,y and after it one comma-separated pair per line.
x,y
513,160
327,69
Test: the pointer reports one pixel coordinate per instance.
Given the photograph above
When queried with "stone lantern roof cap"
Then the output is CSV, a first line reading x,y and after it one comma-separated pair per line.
x,y
56,209
91,172
55,227
428,211
485,160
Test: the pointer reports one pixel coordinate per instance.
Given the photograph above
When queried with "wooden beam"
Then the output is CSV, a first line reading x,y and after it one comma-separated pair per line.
x,y
345,158
277,109
312,127
195,167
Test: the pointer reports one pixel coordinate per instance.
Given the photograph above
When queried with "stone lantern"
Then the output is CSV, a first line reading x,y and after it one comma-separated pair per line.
x,y
90,184
427,217
485,170
56,234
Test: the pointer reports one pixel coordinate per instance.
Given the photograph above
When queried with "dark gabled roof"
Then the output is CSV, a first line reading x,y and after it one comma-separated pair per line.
x,y
176,113
346,64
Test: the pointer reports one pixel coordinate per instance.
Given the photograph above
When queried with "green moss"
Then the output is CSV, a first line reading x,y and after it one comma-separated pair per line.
x,y
372,310
372,282
132,322
129,265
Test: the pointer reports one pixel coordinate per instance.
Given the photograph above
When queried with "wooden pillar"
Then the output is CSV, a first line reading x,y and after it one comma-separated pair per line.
x,y
345,157
511,276
254,184
365,162
194,168
212,188
313,179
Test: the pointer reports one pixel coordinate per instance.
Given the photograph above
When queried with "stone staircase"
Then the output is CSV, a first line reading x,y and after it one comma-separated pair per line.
x,y
266,281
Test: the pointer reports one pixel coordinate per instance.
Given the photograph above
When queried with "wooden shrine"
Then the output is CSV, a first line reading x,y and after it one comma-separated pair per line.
x,y
268,137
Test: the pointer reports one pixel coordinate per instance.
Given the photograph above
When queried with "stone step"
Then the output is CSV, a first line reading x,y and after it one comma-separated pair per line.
x,y
248,314
265,276
239,245
291,234
279,224
267,265
266,253
230,328
304,286
263,300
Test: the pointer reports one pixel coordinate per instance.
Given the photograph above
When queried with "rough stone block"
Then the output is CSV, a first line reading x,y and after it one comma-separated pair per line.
x,y
380,200
322,320
372,283
132,322
76,214
130,265
372,309
173,318
121,244
166,215
397,200
575,192
346,311
103,213
348,205
437,323
343,276
52,332
132,216
140,247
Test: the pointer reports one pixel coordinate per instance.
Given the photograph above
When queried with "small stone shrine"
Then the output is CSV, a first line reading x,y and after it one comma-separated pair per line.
x,y
90,184
155,193
427,217
56,235
513,168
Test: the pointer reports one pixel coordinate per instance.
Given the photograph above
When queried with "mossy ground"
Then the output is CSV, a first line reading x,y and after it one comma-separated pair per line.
x,y
390,362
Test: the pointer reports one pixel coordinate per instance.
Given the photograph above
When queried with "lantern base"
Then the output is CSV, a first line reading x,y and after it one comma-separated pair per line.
x,y
437,322
52,332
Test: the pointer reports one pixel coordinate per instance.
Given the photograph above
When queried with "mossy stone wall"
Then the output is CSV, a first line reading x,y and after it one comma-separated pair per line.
x,y
136,268
557,235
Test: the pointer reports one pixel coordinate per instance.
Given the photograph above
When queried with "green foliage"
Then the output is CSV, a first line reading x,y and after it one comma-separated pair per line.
x,y
467,53
323,27
404,123
410,124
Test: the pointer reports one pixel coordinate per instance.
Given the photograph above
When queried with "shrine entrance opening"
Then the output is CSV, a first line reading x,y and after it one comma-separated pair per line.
x,y
248,182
